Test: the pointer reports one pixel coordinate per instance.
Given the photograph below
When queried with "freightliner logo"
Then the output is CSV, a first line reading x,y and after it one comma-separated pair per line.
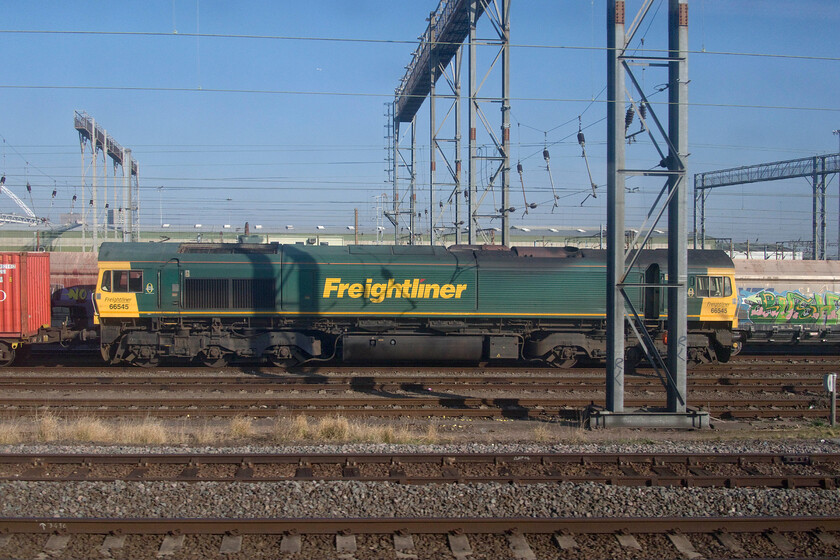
x,y
377,292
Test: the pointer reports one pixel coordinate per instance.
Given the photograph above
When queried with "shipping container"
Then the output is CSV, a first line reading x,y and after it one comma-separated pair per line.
x,y
24,296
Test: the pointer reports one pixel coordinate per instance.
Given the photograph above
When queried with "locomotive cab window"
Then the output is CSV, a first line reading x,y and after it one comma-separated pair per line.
x,y
713,286
125,281
106,281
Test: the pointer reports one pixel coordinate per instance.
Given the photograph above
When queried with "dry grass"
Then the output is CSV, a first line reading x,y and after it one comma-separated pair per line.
x,y
85,429
12,432
339,429
204,435
48,428
241,427
542,434
146,432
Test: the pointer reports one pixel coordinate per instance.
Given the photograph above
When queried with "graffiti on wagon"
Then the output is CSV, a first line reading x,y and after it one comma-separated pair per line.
x,y
789,307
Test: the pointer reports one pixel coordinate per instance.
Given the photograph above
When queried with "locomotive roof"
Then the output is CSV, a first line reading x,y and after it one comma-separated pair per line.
x,y
484,255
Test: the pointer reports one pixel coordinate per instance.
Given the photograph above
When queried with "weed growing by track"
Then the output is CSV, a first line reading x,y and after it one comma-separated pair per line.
x,y
50,428
339,429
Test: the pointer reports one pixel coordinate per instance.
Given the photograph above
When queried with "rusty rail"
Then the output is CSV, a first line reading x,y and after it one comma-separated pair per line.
x,y
370,526
633,469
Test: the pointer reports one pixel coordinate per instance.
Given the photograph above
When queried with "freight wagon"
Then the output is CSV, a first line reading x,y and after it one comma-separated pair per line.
x,y
790,302
289,304
31,314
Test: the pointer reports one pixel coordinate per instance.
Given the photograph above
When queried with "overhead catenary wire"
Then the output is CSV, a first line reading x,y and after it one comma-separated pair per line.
x,y
202,90
354,185
390,41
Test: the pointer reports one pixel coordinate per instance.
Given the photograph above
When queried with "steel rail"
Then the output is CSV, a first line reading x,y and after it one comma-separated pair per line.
x,y
634,469
573,413
288,383
414,525
369,400
585,459
389,407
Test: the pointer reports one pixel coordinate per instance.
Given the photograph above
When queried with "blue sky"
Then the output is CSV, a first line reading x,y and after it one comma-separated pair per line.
x,y
301,139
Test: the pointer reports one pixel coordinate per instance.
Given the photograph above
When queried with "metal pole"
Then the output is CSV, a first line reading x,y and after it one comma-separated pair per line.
x,y
473,120
355,226
135,200
433,64
413,202
836,132
105,178
95,191
615,206
695,211
814,229
395,130
84,214
457,71
823,246
116,206
505,122
703,219
127,229
677,233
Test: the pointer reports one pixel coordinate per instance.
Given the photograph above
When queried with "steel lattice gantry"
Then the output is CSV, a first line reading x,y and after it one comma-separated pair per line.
x,y
815,168
99,140
670,141
439,56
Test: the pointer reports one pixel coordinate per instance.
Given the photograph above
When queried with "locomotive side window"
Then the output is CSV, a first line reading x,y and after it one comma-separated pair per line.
x,y
127,281
135,281
713,286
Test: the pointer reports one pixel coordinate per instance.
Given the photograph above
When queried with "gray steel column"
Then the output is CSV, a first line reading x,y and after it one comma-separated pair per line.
x,y
127,198
505,122
95,192
433,68
395,134
615,206
696,192
823,245
412,223
473,120
105,180
814,250
703,220
677,231
135,200
457,71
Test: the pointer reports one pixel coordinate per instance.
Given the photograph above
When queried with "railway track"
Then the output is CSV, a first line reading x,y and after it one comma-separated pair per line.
x,y
386,382
524,538
268,406
793,390
635,469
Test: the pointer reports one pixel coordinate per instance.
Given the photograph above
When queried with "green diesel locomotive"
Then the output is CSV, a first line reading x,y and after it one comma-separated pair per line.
x,y
290,304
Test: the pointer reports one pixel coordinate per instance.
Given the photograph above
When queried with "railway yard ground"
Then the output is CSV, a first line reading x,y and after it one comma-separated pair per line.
x,y
412,462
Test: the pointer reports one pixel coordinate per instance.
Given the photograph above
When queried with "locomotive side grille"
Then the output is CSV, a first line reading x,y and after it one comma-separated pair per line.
x,y
253,293
206,293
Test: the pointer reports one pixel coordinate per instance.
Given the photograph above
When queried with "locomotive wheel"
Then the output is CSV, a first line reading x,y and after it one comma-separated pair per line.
x,y
109,353
214,357
562,357
143,356
281,357
564,364
7,354
146,362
